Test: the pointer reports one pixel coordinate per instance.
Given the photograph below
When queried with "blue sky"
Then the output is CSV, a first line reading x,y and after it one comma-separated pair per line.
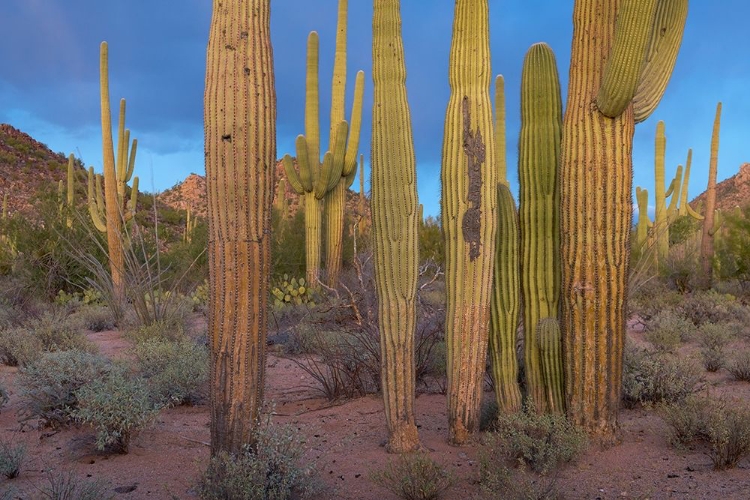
x,y
49,79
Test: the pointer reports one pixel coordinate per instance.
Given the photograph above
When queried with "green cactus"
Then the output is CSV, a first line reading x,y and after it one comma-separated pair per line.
x,y
191,222
710,225
644,223
291,291
469,215
117,172
506,301
280,200
336,197
539,220
612,41
664,215
394,225
685,208
240,159
314,179
550,349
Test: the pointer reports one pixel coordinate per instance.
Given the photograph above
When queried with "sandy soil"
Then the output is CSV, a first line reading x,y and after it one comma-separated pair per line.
x,y
346,442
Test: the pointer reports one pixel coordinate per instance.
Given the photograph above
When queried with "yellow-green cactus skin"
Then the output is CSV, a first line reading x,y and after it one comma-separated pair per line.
x,y
118,171
547,336
240,153
469,215
539,219
710,225
664,215
394,225
685,208
596,194
644,223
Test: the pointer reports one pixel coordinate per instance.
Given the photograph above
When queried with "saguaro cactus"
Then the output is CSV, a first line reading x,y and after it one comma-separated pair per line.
x,y
469,214
394,225
117,173
336,197
710,226
539,219
622,55
685,208
644,223
664,215
547,336
240,143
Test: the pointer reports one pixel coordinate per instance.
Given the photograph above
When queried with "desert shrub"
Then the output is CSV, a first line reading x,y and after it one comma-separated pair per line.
x,y
414,476
271,470
733,248
740,365
117,405
172,329
95,318
713,307
727,429
652,297
542,442
680,265
653,377
431,241
19,346
48,387
175,371
4,396
685,419
667,329
59,332
11,459
713,339
67,486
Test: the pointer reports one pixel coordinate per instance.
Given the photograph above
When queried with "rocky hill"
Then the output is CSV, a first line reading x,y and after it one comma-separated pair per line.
x,y
730,193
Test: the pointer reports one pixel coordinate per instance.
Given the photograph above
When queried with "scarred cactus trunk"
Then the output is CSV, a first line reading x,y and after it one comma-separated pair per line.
x,y
539,219
394,225
240,147
469,214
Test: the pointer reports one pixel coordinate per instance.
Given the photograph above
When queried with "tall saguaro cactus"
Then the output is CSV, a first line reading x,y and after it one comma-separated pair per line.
x,y
664,215
622,56
240,150
117,172
539,220
394,224
710,225
469,214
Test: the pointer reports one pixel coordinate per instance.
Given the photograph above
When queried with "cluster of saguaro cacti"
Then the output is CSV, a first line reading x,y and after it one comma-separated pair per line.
x,y
664,214
109,209
315,180
469,214
394,225
240,144
622,57
191,222
711,222
539,221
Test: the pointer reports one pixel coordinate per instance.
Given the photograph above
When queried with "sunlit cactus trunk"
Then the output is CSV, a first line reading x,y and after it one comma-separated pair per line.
x,y
240,148
617,75
469,215
394,225
710,225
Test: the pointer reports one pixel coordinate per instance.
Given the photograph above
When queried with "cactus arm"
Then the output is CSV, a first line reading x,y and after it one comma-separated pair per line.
x,y
291,174
718,222
682,209
320,188
674,191
500,147
350,160
307,171
349,179
134,197
623,67
131,160
692,213
661,56
337,160
312,106
94,208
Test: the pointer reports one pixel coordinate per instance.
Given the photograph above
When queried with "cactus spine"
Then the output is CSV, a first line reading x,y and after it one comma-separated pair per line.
x,y
336,198
596,187
710,225
117,172
539,220
240,142
394,225
469,214
550,349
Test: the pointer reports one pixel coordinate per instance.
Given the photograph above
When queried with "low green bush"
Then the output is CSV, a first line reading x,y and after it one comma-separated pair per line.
x,y
163,329
68,486
653,377
272,470
47,387
713,307
19,346
713,339
414,476
95,318
11,459
117,405
176,371
667,329
740,366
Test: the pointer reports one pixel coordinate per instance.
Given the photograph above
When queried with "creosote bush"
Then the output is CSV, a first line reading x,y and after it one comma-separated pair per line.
x,y
48,387
95,318
272,470
653,377
740,365
176,371
667,329
713,339
414,476
117,405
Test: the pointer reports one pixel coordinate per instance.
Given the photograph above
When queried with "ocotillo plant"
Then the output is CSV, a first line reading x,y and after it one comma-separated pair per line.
x,y
336,197
117,172
539,219
314,180
240,161
710,226
394,225
469,214
622,56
